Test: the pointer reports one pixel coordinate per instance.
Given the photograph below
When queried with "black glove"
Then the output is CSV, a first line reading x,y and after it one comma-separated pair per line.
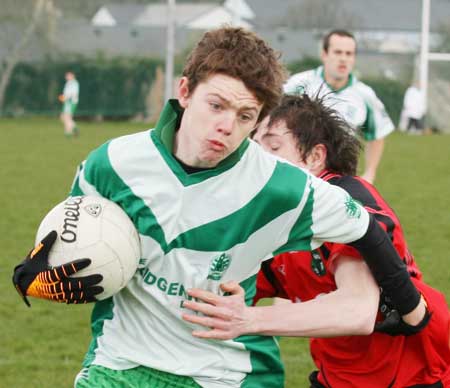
x,y
393,324
34,277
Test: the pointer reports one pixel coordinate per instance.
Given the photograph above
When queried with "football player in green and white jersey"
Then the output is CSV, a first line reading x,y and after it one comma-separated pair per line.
x,y
209,205
69,99
341,90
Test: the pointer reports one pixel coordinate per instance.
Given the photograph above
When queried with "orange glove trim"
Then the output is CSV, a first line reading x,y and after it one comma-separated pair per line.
x,y
36,250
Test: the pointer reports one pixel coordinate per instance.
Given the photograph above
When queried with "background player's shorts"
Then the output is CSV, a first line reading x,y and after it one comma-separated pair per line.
x,y
69,107
140,377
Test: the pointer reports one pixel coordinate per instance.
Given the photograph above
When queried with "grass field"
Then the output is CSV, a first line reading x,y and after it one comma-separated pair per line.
x,y
43,346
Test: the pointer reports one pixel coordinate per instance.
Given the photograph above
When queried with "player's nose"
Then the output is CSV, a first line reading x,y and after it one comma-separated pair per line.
x,y
227,123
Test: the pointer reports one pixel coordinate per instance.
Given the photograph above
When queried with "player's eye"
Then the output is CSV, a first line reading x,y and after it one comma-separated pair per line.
x,y
215,106
246,117
274,146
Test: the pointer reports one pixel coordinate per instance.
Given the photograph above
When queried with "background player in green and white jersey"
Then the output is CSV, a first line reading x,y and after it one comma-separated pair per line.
x,y
69,98
341,90
209,205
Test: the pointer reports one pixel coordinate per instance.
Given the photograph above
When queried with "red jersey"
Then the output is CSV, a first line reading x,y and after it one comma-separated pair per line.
x,y
376,360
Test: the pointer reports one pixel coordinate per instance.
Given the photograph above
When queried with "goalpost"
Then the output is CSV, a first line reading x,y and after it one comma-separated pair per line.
x,y
425,55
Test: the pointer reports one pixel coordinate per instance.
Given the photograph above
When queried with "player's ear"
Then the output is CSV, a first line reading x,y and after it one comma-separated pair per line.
x,y
319,155
183,92
260,130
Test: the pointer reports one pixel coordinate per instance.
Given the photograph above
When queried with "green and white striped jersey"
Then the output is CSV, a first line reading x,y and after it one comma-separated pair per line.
x,y
200,230
71,91
356,102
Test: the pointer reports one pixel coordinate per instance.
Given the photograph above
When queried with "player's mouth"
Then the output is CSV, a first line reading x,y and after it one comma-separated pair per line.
x,y
216,145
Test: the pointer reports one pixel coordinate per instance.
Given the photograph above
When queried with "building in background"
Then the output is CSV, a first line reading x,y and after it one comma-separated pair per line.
x,y
383,28
388,32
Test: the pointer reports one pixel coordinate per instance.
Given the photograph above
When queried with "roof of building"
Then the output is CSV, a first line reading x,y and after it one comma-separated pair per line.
x,y
155,15
364,14
122,13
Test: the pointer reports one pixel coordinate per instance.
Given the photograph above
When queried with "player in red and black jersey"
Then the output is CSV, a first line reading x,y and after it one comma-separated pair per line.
x,y
309,135
350,345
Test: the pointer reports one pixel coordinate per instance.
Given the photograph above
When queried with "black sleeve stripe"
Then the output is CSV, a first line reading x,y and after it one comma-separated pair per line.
x,y
266,268
325,251
388,222
267,271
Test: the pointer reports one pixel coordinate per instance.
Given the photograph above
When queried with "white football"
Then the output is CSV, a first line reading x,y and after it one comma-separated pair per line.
x,y
95,228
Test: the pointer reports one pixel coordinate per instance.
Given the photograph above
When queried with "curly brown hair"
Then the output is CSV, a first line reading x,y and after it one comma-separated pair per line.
x,y
311,123
240,54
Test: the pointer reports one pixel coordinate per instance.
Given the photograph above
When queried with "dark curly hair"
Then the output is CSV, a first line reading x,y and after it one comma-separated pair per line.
x,y
312,123
240,54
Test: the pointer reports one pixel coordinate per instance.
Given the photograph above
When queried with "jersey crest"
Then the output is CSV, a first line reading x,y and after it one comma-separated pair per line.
x,y
218,266
352,208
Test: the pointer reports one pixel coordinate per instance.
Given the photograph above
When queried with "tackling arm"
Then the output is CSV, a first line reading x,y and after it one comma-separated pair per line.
x,y
350,310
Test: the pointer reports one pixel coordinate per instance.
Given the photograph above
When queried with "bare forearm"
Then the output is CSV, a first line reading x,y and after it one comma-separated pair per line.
x,y
350,309
328,315
374,151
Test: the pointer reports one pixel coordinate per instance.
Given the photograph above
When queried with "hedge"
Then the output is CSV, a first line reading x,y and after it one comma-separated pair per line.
x,y
108,87
117,88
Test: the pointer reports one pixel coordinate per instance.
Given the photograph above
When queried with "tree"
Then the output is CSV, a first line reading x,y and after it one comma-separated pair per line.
x,y
87,8
319,14
444,41
19,26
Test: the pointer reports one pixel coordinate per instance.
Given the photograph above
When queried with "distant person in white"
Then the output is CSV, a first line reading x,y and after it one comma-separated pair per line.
x,y
69,99
414,109
340,89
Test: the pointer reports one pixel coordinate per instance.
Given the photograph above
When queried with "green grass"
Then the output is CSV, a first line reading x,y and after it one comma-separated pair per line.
x,y
44,346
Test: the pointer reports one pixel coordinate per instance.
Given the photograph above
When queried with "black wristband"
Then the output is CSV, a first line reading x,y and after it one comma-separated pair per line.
x,y
418,328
